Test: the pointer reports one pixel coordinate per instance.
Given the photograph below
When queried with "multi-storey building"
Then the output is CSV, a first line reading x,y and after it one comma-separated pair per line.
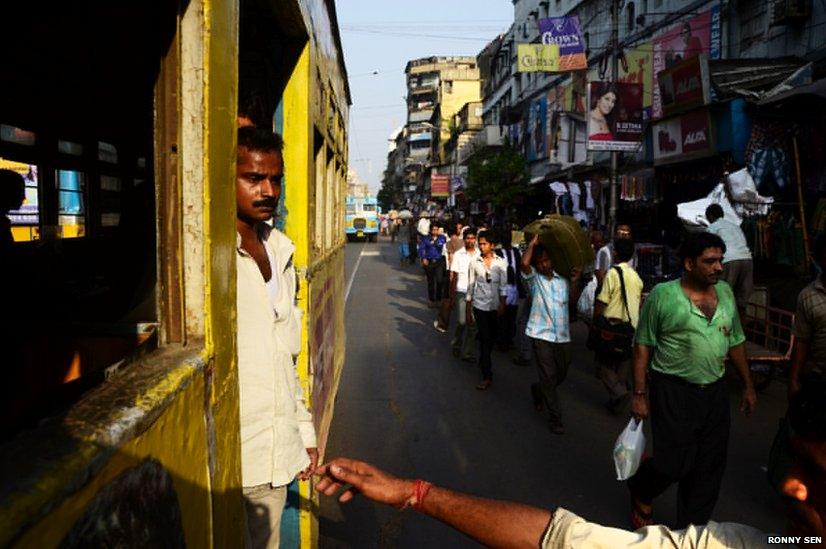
x,y
438,88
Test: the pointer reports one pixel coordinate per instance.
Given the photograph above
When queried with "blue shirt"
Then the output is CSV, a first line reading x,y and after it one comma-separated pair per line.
x,y
549,317
431,249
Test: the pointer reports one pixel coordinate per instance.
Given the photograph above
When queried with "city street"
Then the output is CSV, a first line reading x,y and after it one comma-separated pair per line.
x,y
406,405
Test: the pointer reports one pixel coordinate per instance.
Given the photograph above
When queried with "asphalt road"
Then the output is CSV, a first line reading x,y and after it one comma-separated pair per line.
x,y
406,405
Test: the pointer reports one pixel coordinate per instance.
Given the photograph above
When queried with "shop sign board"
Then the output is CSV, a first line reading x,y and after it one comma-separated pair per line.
x,y
684,40
683,137
615,116
565,33
685,86
537,58
439,185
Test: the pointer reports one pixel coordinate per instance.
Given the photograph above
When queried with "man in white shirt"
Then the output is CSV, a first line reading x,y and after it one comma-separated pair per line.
x,y
605,255
278,441
465,335
738,268
487,290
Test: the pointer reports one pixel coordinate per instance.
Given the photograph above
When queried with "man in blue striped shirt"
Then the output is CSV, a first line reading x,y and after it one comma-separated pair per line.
x,y
549,326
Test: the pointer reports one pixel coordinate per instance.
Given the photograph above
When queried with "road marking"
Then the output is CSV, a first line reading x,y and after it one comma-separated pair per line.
x,y
371,253
353,276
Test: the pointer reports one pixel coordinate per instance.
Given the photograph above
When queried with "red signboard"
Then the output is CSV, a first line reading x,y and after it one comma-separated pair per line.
x,y
439,185
695,132
683,137
685,85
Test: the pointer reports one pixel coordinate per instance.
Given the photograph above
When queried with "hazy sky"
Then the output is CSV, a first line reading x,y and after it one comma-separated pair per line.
x,y
380,36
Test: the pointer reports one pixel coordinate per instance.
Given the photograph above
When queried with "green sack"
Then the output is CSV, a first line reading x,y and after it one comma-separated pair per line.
x,y
565,241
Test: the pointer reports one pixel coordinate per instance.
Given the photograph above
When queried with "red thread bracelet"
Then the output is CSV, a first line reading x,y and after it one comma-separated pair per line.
x,y
420,491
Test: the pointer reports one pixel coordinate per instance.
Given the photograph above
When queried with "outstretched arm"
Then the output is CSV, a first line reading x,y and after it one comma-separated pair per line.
x,y
490,522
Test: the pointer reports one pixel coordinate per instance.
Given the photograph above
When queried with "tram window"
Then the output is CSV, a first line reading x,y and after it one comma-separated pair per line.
x,y
351,209
107,153
71,219
369,207
70,148
18,136
110,201
25,222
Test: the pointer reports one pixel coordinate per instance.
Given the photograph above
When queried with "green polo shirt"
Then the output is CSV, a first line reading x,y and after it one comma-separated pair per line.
x,y
685,343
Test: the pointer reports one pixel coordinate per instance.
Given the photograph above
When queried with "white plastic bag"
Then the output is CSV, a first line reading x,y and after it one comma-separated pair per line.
x,y
585,305
629,449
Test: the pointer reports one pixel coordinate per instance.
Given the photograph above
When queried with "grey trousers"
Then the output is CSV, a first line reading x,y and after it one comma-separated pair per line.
x,y
464,338
615,377
552,361
264,505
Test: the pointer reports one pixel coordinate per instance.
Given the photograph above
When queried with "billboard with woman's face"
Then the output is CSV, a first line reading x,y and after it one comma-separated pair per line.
x,y
615,116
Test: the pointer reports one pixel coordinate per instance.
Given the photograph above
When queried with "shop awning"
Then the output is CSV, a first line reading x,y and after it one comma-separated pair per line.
x,y
817,89
757,79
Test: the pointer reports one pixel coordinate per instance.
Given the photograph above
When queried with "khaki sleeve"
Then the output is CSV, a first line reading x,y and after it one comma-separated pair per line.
x,y
802,326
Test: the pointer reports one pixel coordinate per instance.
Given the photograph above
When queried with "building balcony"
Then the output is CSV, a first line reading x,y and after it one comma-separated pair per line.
x,y
489,136
419,116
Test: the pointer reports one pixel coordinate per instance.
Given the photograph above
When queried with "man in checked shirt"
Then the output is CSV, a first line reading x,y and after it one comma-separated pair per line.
x,y
549,325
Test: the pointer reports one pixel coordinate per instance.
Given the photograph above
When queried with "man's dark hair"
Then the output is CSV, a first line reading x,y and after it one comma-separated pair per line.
x,y
435,224
714,212
538,250
253,106
624,248
12,190
488,235
694,244
470,231
450,228
259,139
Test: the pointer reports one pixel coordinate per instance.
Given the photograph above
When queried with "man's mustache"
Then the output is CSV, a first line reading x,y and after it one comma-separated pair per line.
x,y
265,203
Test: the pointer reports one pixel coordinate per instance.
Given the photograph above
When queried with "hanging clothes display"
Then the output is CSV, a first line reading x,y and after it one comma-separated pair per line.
x,y
767,165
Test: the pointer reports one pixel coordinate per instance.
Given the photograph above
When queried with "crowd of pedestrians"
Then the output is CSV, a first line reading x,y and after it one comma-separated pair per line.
x,y
660,356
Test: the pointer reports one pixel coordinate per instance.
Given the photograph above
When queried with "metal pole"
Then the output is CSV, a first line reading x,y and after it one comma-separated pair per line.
x,y
612,212
806,247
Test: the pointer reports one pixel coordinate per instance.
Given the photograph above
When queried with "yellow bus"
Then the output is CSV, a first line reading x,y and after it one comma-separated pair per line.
x,y
121,385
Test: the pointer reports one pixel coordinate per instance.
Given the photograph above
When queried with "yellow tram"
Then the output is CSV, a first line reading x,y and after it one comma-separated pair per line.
x,y
121,395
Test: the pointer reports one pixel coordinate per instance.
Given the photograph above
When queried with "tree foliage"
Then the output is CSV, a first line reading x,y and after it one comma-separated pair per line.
x,y
497,176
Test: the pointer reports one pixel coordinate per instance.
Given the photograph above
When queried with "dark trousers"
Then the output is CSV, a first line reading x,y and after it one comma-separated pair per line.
x,y
507,328
436,275
690,425
486,323
552,362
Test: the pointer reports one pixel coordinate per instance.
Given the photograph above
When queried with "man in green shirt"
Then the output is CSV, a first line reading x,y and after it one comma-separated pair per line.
x,y
687,329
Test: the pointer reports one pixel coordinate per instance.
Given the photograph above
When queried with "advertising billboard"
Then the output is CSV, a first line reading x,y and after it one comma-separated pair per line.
x,y
439,185
537,141
685,86
683,137
615,116
565,33
686,39
637,69
537,58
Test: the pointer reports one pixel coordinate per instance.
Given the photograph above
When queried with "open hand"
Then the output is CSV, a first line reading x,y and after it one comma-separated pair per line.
x,y
362,478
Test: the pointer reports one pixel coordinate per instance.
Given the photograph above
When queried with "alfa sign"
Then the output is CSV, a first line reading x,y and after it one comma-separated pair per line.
x,y
684,137
685,86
